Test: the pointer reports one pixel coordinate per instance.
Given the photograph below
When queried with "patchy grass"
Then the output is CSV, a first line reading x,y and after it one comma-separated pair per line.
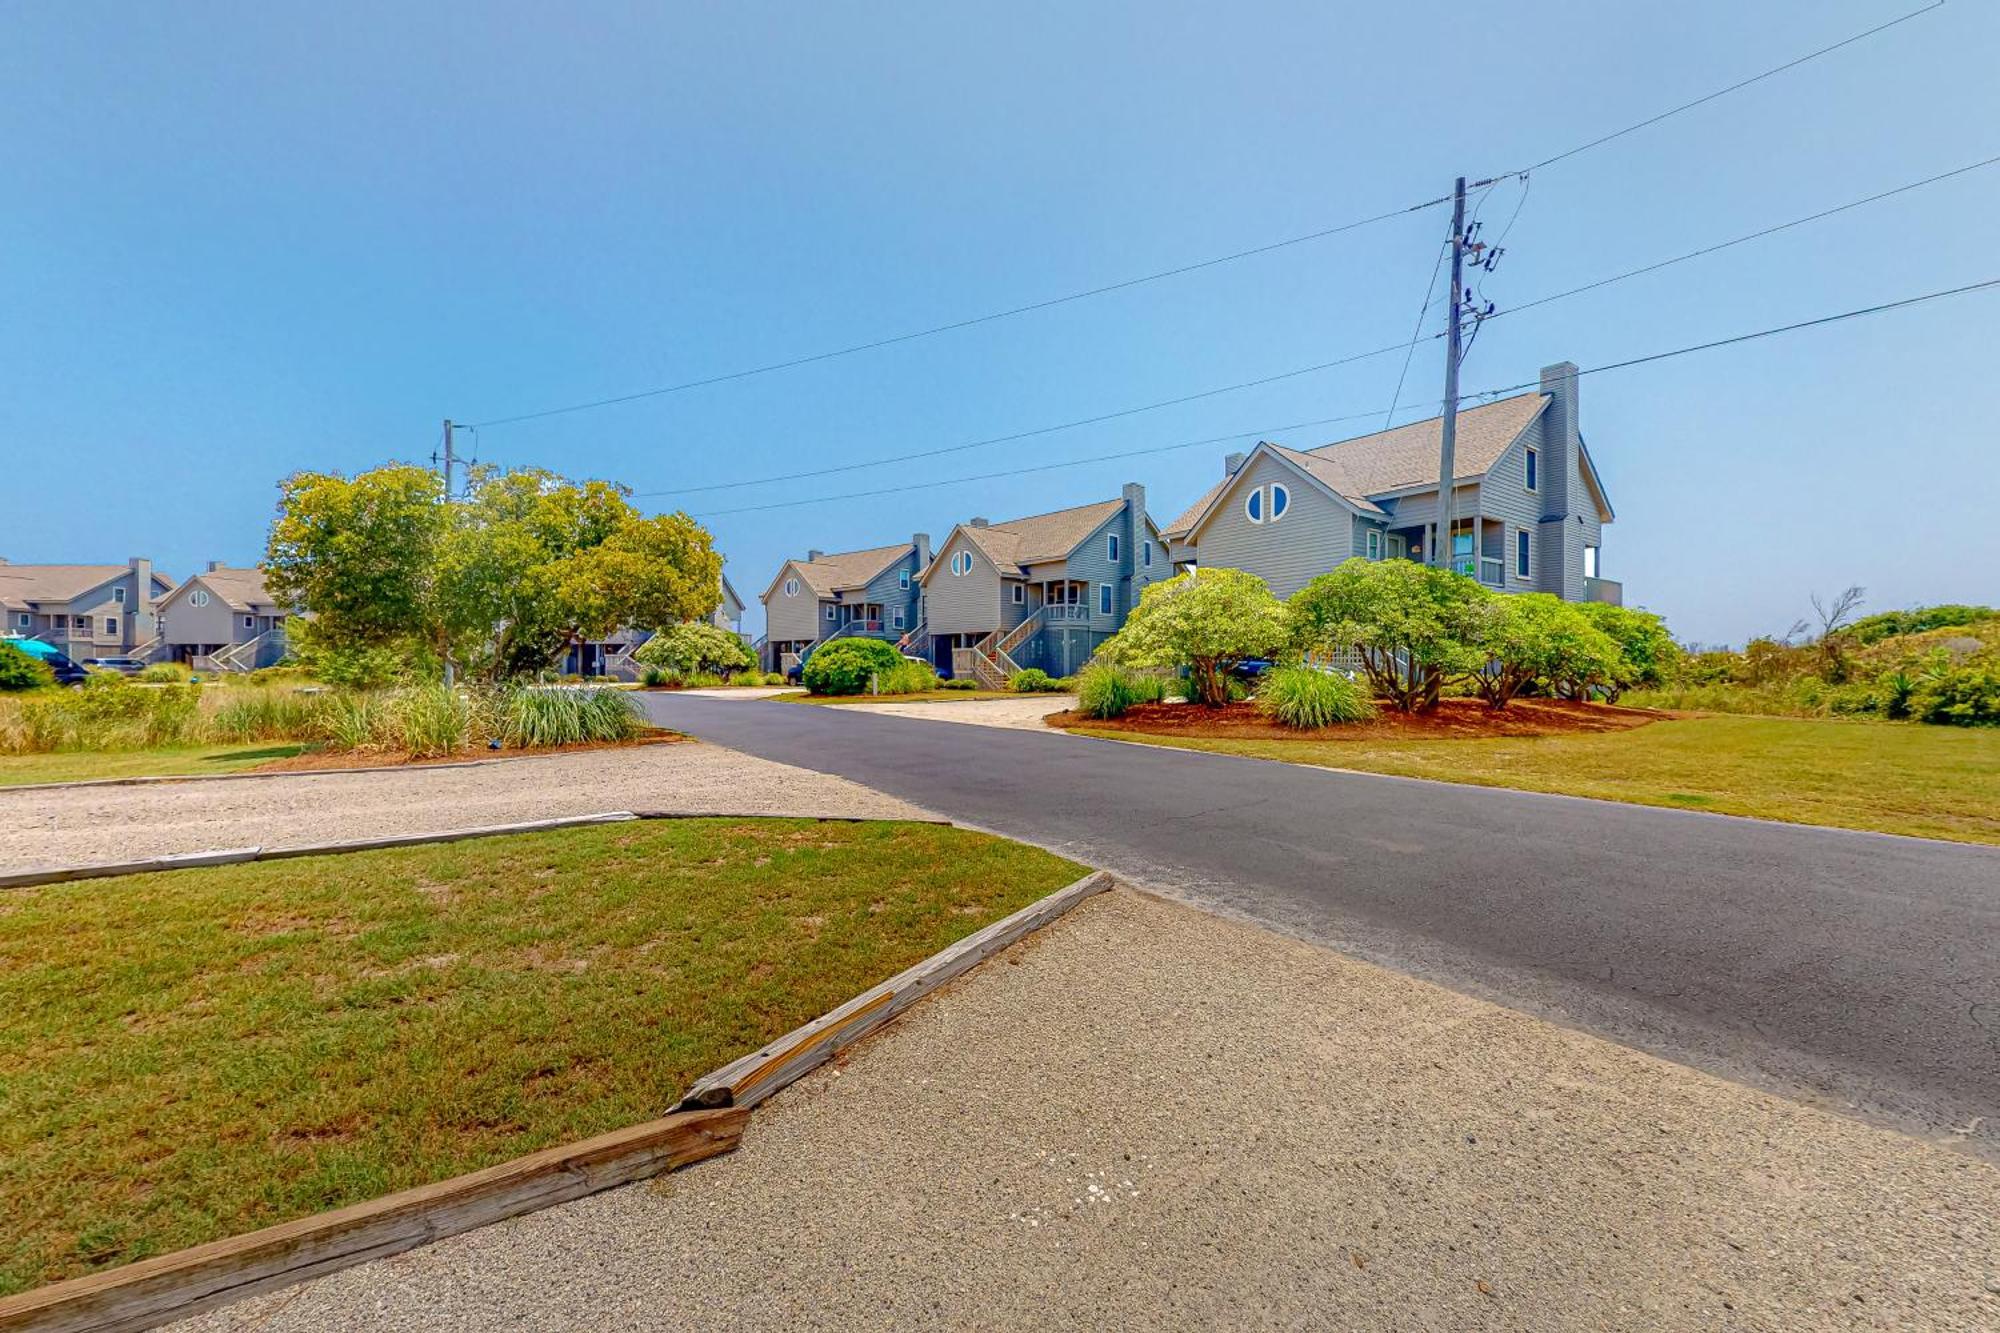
x,y
1933,782
909,697
196,760
196,1053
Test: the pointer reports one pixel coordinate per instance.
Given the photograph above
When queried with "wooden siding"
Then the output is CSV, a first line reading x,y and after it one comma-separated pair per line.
x,y
1504,494
1315,534
792,618
962,603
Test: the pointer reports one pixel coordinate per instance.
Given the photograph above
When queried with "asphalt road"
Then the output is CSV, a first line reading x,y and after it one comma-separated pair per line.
x,y
1857,971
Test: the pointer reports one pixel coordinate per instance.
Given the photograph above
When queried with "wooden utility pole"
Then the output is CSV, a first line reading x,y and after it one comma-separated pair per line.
x,y
1448,436
448,461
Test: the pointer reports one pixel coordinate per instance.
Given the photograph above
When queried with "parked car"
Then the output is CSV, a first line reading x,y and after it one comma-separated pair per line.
x,y
66,671
1250,670
124,666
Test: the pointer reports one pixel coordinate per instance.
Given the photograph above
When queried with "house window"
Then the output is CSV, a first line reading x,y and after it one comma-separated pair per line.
x,y
1590,562
961,564
1374,543
896,618
1103,599
1146,554
1521,553
249,622
831,613
1281,500
24,620
111,624
1534,475
791,587
1253,505
1020,593
199,597
903,579
1111,547
118,596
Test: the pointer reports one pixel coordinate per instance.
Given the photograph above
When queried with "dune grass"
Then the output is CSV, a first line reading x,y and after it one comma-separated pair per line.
x,y
1932,782
197,1053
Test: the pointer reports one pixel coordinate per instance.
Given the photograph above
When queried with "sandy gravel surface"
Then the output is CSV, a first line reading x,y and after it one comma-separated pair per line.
x,y
1025,713
1151,1117
123,823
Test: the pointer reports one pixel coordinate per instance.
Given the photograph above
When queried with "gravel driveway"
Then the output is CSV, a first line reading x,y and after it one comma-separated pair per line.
x,y
57,827
1148,1116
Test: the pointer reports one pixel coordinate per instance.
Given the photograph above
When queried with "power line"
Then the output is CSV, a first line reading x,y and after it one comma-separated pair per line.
x,y
1183,269
1734,87
1417,333
1268,431
1101,418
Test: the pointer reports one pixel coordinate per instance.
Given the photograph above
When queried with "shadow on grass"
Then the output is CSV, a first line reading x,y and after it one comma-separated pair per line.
x,y
255,756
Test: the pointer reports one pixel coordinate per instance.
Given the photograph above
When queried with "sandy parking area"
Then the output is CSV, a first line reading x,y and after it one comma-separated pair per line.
x,y
58,827
1151,1117
1025,713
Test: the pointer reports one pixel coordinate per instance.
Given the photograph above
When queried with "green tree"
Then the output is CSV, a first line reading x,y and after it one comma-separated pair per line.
x,y
23,671
695,646
499,582
1648,655
1535,639
1411,626
845,666
1203,623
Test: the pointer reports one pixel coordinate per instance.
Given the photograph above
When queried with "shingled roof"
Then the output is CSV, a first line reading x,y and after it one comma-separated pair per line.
x,y
240,588
1404,458
22,584
846,569
1019,542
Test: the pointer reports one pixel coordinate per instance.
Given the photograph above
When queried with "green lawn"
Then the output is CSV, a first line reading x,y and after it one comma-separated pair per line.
x,y
1934,782
199,760
196,1053
913,697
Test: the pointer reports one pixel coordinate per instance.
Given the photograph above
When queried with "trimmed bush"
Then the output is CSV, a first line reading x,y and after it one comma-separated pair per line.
x,y
1307,698
654,676
845,666
23,671
1034,680
1106,691
908,677
959,683
696,647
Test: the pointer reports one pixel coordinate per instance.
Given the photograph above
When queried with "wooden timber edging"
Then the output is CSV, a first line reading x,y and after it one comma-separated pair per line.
x,y
745,1082
144,1294
21,879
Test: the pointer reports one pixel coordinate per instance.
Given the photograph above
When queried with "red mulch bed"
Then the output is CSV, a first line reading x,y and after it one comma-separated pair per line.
x,y
312,761
1453,719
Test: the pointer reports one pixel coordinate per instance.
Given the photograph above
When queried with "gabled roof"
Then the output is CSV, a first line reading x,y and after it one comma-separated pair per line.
x,y
240,588
843,569
1019,542
21,584
729,592
1389,462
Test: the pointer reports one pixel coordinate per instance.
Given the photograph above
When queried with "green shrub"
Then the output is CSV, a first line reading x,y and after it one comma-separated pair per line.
x,y
1106,691
700,680
165,673
845,666
1917,620
540,717
1034,680
1308,698
959,683
696,646
357,668
23,671
908,677
1961,696
654,677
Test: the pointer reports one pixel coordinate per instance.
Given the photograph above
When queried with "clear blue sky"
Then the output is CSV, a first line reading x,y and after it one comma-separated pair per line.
x,y
239,240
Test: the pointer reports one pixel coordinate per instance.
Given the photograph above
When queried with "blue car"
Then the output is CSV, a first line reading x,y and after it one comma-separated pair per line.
x,y
66,671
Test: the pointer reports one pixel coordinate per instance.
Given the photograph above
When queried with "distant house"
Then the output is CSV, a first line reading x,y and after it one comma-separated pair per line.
x,y
612,656
729,612
874,593
223,619
1528,506
1042,591
85,610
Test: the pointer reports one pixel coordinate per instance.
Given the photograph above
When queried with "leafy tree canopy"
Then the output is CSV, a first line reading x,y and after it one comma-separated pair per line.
x,y
1204,623
499,582
1412,626
696,646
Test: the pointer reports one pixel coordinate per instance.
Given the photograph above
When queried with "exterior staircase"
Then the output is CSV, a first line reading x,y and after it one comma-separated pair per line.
x,y
992,665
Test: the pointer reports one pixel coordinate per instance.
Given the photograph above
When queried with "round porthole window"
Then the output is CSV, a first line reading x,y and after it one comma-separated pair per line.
x,y
961,563
199,597
791,587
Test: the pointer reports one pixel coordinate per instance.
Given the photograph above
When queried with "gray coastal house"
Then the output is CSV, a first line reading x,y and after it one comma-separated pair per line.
x,y
612,656
729,611
1042,591
876,593
223,619
85,610
1528,506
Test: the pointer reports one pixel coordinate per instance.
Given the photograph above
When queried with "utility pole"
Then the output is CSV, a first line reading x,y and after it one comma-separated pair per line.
x,y
1448,436
448,460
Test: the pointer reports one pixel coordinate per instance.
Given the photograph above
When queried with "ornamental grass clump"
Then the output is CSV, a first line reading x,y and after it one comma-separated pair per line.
x,y
1309,698
538,718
